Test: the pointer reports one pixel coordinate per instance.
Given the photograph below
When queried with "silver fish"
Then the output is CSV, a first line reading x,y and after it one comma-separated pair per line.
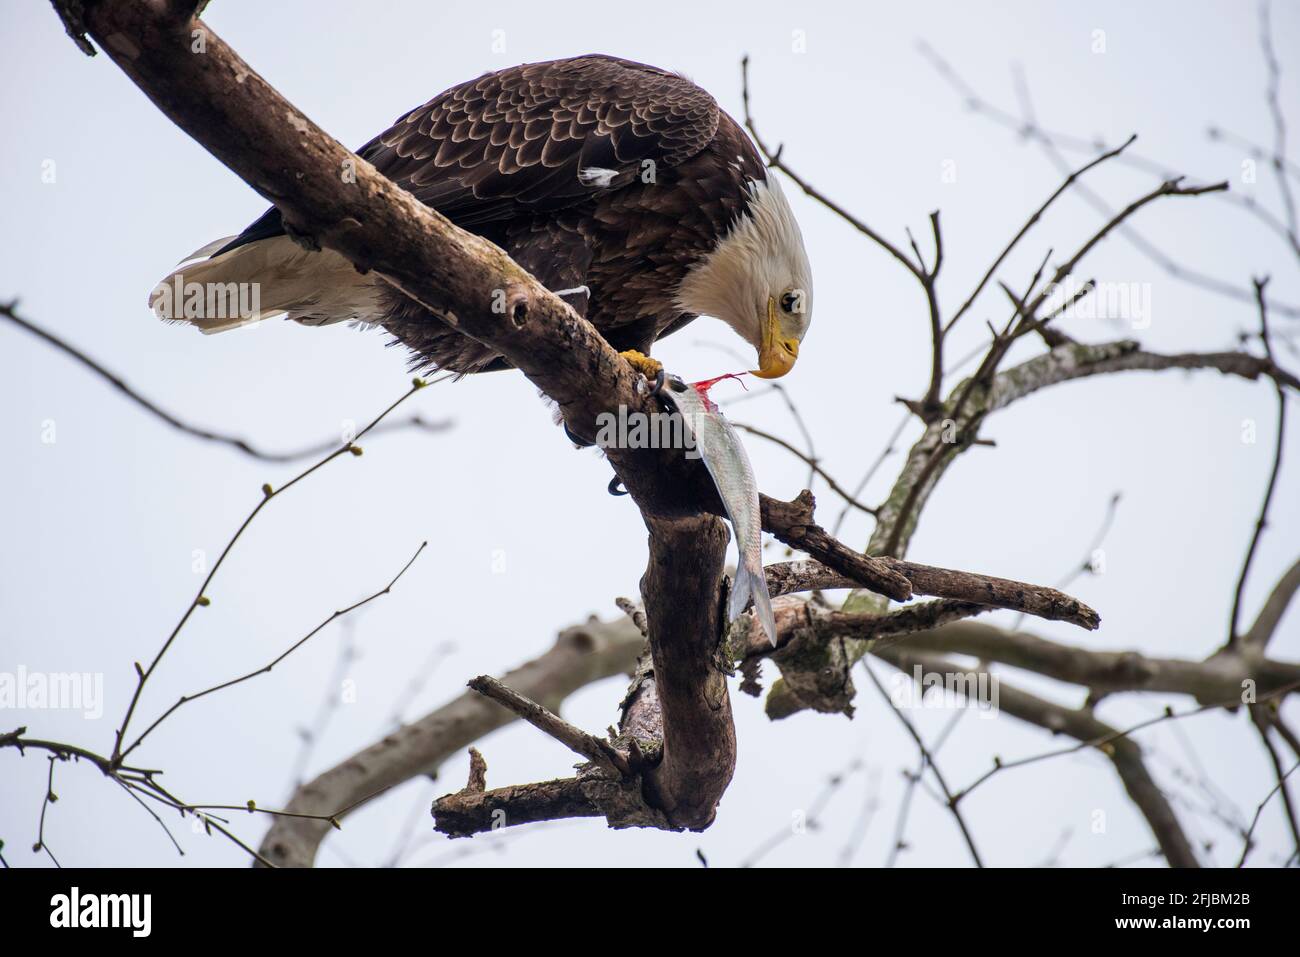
x,y
716,442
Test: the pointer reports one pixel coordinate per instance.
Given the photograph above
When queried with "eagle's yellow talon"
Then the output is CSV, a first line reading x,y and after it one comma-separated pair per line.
x,y
642,363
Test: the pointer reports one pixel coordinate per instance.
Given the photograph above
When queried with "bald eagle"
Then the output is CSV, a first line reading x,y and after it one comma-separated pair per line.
x,y
618,185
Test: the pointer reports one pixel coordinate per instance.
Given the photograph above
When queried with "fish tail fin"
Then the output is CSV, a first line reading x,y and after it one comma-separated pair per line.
x,y
751,585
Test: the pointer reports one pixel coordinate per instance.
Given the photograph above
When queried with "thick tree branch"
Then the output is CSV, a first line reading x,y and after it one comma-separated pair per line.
x,y
1221,677
1275,607
792,523
924,467
1065,363
581,655
677,727
475,810
682,593
1123,752
1037,600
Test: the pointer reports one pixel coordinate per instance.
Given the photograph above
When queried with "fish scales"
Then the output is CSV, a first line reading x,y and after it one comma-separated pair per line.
x,y
716,442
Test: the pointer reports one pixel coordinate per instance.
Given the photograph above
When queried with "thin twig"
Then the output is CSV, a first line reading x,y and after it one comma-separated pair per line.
x,y
50,798
949,798
1102,742
311,734
1250,834
1051,141
1274,101
774,160
1029,224
811,462
9,311
810,820
1234,624
266,669
1261,716
200,598
1026,316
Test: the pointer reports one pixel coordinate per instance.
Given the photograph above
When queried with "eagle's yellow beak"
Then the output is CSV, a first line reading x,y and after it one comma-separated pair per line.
x,y
776,356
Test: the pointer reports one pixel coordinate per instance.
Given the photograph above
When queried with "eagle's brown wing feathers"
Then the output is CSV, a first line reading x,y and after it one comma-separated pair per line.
x,y
549,161
543,136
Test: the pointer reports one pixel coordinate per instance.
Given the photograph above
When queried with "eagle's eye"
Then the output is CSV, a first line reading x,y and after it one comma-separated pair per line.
x,y
790,303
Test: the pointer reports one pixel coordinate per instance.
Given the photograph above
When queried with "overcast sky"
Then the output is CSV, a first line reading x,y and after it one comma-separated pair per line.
x,y
102,524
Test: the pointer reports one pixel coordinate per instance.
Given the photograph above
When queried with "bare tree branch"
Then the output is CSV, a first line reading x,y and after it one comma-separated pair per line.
x,y
1051,143
674,753
929,761
1278,158
1030,223
774,160
201,599
580,656
1081,725
269,666
575,739
1249,842
1234,622
1223,676
1274,608
1262,718
416,422
811,462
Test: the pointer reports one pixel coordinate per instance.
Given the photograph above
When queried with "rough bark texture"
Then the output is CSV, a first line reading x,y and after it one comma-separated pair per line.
x,y
1033,600
472,811
792,522
683,603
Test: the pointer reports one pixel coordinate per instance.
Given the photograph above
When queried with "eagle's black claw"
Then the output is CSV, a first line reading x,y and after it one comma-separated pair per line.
x,y
575,439
616,486
660,379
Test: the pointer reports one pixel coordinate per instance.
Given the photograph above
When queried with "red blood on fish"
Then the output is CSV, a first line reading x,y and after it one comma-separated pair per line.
x,y
704,385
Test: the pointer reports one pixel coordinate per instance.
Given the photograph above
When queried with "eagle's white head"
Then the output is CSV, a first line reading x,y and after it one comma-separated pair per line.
x,y
757,280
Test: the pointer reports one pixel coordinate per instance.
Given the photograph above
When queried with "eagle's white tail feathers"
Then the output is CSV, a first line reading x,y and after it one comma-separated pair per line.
x,y
203,252
267,278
